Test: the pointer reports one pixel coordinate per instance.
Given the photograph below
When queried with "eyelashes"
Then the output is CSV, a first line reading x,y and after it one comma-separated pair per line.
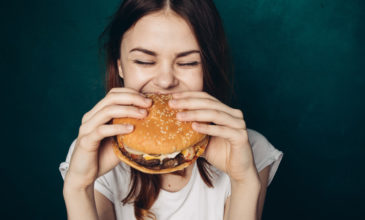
x,y
143,63
195,63
189,64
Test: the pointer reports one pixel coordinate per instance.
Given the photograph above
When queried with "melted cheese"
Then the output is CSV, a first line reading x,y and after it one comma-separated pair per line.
x,y
188,153
161,157
148,156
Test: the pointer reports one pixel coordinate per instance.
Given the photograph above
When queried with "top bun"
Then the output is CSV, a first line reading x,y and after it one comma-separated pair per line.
x,y
160,132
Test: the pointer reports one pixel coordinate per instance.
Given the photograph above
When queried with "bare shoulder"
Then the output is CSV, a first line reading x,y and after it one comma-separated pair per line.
x,y
104,207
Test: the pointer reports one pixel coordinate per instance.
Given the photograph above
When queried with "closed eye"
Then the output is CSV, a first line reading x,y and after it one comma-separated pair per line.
x,y
143,63
188,64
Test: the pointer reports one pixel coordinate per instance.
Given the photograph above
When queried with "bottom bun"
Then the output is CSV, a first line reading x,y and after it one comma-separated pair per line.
x,y
143,169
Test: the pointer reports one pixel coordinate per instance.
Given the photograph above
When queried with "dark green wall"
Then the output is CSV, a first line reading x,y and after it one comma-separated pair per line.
x,y
299,80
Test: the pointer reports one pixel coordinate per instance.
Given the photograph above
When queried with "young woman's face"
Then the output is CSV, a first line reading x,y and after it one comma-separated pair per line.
x,y
160,54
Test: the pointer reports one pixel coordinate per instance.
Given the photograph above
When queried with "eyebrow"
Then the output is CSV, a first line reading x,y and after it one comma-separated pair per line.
x,y
152,53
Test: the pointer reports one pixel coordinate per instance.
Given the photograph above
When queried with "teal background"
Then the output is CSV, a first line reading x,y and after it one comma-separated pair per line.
x,y
299,80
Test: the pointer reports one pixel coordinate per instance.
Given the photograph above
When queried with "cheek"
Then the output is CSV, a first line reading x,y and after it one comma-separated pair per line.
x,y
135,77
193,79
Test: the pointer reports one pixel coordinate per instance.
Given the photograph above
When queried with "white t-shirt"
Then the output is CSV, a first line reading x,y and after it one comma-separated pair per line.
x,y
195,200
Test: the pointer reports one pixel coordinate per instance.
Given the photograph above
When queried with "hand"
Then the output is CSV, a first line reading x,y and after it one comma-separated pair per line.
x,y
228,149
93,155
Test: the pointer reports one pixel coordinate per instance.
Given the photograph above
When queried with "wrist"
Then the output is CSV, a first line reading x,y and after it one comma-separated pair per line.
x,y
250,179
70,191
74,184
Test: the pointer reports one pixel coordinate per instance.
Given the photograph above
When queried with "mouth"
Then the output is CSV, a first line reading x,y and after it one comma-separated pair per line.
x,y
164,93
158,92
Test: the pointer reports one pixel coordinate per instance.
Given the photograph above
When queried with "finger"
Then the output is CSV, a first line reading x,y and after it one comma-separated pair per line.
x,y
235,136
193,94
109,112
209,115
204,103
92,141
107,158
118,98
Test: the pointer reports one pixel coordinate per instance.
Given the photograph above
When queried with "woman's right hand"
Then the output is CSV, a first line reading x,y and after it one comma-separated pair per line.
x,y
93,155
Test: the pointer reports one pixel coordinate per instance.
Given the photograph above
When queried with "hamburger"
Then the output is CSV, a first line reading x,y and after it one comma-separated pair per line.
x,y
159,143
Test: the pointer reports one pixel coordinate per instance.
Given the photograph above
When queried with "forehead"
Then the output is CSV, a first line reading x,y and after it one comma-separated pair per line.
x,y
160,31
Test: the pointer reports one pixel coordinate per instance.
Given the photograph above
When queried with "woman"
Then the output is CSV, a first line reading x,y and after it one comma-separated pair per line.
x,y
177,47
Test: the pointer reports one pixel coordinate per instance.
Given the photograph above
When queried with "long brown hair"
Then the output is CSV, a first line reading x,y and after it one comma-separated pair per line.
x,y
207,26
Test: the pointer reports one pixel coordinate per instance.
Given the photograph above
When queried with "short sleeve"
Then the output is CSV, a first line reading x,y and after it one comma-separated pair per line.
x,y
101,184
104,187
264,153
63,168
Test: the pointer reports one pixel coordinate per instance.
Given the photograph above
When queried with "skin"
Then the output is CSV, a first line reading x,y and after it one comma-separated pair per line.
x,y
160,54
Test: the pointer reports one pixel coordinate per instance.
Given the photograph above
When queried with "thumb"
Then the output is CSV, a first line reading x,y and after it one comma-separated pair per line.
x,y
107,158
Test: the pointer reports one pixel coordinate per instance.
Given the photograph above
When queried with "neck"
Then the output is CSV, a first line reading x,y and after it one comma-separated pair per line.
x,y
175,182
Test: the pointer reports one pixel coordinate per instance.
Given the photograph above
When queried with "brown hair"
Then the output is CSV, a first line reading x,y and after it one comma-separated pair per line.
x,y
206,23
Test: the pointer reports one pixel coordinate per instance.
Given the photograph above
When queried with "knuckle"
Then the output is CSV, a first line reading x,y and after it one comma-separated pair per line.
x,y
208,102
82,130
111,111
184,102
136,98
243,124
217,113
209,96
85,117
120,111
111,96
112,89
99,131
206,127
190,114
239,113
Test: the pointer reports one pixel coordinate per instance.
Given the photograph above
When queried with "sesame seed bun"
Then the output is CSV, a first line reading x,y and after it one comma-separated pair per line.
x,y
160,133
122,157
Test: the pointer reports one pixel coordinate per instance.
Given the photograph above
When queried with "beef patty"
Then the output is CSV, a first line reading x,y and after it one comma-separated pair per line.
x,y
155,163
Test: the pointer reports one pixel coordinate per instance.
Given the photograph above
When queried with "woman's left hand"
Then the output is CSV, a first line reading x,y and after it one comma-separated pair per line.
x,y
228,149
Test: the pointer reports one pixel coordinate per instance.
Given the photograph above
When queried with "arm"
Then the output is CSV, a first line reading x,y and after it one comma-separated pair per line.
x,y
264,176
89,201
104,206
228,149
243,202
93,154
80,203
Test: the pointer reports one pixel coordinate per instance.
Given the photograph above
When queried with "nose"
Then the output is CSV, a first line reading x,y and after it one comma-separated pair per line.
x,y
165,77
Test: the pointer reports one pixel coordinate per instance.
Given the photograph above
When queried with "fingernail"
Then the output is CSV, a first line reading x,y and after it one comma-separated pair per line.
x,y
172,102
181,115
129,127
142,111
194,125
